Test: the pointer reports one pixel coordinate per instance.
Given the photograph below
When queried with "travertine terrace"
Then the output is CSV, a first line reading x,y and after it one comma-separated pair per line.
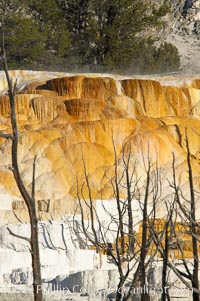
x,y
64,119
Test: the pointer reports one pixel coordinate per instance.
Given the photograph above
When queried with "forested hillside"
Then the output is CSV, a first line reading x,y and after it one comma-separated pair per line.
x,y
88,35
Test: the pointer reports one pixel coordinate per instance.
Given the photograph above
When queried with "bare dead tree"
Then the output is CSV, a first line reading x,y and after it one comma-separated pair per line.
x,y
145,296
173,233
188,215
169,224
162,236
117,238
192,224
29,198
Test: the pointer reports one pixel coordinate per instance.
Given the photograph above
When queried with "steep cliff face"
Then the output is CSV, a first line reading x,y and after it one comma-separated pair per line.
x,y
75,122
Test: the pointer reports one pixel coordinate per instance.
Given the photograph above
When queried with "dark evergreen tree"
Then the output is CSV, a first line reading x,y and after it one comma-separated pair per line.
x,y
23,41
106,34
92,35
50,19
36,33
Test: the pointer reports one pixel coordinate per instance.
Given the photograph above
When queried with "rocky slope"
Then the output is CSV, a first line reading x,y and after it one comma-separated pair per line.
x,y
72,123
183,30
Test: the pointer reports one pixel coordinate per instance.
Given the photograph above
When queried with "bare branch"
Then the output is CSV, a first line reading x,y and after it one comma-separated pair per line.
x,y
6,136
18,236
33,178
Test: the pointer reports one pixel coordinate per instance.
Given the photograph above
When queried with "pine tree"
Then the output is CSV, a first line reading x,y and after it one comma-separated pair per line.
x,y
97,35
35,33
23,41
50,18
106,34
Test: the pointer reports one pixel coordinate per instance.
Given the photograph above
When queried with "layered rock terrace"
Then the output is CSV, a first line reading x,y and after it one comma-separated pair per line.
x,y
72,121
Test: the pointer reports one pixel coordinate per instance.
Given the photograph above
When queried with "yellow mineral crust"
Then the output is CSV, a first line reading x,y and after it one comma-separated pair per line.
x,y
73,124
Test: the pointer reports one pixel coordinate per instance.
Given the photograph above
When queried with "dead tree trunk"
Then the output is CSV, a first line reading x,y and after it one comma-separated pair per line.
x,y
193,227
165,294
142,270
189,215
29,199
